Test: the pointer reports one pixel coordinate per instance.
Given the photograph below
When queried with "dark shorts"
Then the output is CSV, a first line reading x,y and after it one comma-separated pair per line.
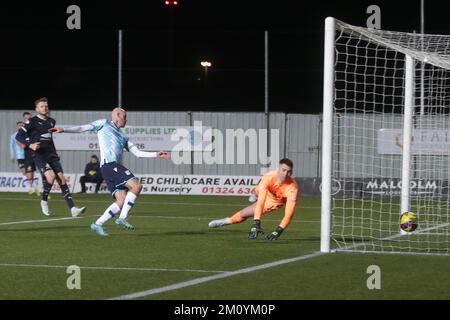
x,y
116,176
48,164
21,164
29,162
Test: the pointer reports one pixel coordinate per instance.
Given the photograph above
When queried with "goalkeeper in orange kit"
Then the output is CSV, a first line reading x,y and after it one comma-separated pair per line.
x,y
276,189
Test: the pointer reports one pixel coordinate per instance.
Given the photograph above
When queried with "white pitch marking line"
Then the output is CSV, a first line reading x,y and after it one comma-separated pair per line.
x,y
150,216
138,216
108,268
228,274
33,221
151,202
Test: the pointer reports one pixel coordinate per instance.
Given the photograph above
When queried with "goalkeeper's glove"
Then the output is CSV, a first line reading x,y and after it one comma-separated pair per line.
x,y
275,234
255,230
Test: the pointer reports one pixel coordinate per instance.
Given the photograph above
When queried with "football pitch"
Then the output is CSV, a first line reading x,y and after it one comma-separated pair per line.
x,y
172,254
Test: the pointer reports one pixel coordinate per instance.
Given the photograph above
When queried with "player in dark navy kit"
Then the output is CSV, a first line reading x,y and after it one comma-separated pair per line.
x,y
35,135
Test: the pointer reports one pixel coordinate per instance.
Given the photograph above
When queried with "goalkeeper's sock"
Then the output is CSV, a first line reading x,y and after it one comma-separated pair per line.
x,y
130,199
110,212
236,218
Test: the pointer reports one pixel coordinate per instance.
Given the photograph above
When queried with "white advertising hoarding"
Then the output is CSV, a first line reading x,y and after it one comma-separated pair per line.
x,y
145,138
424,141
198,184
152,184
16,182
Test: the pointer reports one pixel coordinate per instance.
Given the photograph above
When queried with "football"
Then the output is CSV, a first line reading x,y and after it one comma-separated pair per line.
x,y
408,221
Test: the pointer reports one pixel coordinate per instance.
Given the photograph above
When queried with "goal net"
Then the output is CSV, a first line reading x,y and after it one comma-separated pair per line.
x,y
386,125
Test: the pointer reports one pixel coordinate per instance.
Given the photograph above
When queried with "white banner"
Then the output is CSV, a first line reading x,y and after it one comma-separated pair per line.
x,y
424,141
199,184
195,138
16,182
152,184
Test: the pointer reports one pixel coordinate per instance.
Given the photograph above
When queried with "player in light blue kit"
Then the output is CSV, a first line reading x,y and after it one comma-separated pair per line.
x,y
16,152
124,186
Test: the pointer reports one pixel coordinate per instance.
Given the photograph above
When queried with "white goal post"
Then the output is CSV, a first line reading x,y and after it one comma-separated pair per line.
x,y
386,125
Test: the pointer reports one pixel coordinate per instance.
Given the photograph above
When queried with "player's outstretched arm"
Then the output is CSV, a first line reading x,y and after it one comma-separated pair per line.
x,y
288,215
262,195
75,129
144,154
256,228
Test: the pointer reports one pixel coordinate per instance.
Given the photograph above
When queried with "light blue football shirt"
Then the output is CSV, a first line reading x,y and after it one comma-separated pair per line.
x,y
112,141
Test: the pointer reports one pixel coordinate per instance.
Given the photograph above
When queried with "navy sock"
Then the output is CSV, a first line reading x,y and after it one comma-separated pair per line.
x,y
46,191
67,196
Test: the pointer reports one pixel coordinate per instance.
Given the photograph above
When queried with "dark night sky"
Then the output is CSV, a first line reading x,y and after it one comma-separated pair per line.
x,y
77,70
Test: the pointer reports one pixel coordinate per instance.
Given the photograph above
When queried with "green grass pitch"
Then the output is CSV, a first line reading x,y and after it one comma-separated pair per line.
x,y
172,244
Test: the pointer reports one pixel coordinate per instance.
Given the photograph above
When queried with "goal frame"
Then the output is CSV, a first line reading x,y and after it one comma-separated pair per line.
x,y
327,133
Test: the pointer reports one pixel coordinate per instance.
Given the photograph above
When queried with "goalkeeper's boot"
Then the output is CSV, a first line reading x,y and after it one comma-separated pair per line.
x,y
37,192
256,230
124,224
44,207
98,229
218,223
75,211
30,191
